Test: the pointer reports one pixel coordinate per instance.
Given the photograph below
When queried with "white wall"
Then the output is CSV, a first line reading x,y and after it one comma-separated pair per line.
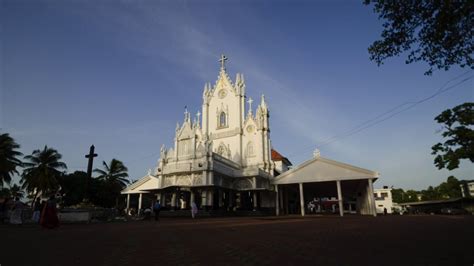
x,y
383,199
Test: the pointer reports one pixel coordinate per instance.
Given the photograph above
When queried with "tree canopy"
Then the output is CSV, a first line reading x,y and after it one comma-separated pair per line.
x,y
8,158
114,178
446,190
114,172
459,135
437,32
42,171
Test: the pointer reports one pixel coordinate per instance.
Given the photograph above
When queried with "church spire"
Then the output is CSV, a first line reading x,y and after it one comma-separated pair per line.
x,y
187,115
263,103
198,118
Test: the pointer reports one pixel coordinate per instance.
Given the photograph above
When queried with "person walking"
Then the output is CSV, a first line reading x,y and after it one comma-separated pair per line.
x,y
49,216
36,210
156,210
3,210
17,211
194,209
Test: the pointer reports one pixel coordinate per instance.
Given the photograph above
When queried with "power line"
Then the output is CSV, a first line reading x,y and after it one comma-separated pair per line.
x,y
403,110
376,120
439,91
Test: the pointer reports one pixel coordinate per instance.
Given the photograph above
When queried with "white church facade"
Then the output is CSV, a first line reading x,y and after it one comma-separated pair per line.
x,y
226,163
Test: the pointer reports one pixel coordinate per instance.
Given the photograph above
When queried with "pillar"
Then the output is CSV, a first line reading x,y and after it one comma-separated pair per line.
x,y
128,202
231,200
277,201
203,199
140,197
192,198
280,198
173,201
220,195
371,198
302,199
339,198
254,193
210,199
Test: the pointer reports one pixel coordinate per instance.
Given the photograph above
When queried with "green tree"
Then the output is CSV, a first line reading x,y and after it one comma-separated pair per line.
x,y
457,123
114,172
5,192
437,32
430,194
42,171
398,195
17,191
114,178
73,187
8,158
411,195
450,189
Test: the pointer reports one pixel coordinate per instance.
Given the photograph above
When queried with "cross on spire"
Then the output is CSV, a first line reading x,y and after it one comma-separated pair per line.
x,y
250,101
222,60
186,112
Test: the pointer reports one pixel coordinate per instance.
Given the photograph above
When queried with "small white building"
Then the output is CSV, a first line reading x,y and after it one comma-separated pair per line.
x,y
467,189
383,199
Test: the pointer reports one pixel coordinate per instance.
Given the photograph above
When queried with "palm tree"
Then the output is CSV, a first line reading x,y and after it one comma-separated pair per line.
x,y
8,158
114,178
42,170
114,173
16,191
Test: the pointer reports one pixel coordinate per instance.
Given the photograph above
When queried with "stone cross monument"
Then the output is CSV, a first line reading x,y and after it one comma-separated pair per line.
x,y
90,156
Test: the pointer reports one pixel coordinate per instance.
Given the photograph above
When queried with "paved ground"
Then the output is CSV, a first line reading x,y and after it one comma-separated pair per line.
x,y
323,240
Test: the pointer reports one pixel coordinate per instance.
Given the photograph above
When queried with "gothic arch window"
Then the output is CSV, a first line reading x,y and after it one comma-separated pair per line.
x,y
222,119
250,150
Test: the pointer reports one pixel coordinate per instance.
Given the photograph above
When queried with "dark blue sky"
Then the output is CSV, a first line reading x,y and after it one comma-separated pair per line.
x,y
118,74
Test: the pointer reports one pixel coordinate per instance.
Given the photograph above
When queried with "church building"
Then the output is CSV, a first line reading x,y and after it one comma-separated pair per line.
x,y
225,162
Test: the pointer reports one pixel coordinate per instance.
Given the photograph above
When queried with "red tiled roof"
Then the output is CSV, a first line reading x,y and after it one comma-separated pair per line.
x,y
276,156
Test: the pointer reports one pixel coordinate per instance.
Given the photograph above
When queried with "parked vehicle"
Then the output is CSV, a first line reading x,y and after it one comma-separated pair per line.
x,y
453,211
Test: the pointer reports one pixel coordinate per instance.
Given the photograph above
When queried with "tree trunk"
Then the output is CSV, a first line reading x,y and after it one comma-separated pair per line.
x,y
34,199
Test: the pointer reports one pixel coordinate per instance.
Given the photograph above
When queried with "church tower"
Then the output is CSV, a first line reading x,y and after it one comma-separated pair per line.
x,y
236,135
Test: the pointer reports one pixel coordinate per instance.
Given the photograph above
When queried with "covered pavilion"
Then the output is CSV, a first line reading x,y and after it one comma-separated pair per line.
x,y
321,180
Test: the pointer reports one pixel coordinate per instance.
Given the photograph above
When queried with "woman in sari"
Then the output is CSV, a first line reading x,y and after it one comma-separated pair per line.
x,y
36,210
17,208
49,216
194,209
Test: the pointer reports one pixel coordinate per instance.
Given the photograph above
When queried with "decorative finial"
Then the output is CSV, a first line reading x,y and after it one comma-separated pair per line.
x,y
316,153
149,171
198,116
186,113
162,151
222,60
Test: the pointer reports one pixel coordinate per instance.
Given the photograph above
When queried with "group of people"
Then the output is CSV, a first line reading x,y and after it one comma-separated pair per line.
x,y
44,212
157,208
